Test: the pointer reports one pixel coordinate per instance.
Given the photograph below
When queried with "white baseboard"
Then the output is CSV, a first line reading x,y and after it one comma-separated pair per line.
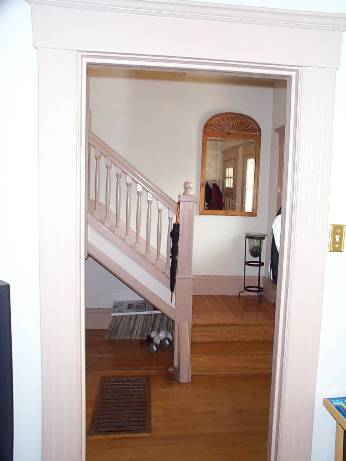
x,y
228,285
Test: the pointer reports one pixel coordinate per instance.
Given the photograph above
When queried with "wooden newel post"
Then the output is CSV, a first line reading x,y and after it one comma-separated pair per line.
x,y
184,282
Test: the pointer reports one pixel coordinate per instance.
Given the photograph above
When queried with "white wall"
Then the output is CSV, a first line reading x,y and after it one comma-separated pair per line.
x,y
19,226
155,121
332,362
102,288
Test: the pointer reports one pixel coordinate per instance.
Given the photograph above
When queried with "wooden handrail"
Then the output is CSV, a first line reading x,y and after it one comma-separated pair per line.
x,y
129,169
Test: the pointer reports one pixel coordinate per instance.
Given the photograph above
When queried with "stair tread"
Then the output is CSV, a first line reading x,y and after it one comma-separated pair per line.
x,y
231,310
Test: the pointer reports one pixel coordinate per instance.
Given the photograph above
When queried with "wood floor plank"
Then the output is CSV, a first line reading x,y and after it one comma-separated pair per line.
x,y
203,447
215,418
111,354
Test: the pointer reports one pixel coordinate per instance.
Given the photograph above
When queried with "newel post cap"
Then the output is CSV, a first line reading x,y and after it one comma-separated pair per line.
x,y
187,195
187,188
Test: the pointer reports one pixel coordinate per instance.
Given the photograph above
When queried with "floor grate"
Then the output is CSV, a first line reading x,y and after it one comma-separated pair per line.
x,y
122,406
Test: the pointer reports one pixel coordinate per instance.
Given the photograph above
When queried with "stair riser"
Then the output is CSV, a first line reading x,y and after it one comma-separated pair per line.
x,y
208,333
216,364
222,372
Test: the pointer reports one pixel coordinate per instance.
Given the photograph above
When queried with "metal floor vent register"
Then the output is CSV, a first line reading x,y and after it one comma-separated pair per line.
x,y
122,406
133,307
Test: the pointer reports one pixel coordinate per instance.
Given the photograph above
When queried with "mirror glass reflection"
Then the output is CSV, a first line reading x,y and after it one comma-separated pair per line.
x,y
230,174
231,149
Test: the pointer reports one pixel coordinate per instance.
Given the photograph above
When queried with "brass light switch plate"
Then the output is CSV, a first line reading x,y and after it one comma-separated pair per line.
x,y
336,237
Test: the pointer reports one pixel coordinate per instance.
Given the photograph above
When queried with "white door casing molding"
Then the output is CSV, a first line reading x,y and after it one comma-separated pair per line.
x,y
302,47
149,27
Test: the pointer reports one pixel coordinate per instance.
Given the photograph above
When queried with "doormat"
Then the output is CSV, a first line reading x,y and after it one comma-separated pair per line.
x,y
137,326
122,406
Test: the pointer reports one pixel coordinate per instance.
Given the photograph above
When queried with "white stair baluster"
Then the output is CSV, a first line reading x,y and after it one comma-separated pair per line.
x,y
159,231
138,213
128,204
148,228
118,197
88,161
97,183
108,192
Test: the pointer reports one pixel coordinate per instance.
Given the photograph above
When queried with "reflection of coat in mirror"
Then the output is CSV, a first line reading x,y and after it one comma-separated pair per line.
x,y
207,196
216,200
275,247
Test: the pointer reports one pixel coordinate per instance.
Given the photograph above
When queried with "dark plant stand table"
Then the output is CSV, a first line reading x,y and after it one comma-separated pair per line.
x,y
253,244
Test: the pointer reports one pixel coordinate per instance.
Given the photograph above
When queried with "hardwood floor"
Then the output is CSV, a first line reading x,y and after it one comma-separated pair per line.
x,y
223,310
222,418
107,354
218,417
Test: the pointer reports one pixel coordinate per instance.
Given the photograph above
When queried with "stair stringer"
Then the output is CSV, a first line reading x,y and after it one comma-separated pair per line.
x,y
128,247
130,272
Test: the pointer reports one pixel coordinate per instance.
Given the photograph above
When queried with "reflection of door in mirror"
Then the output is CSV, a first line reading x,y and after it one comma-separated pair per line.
x,y
228,174
230,165
249,182
281,133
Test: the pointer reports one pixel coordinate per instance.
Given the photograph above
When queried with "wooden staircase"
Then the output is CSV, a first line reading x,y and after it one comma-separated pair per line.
x,y
129,221
232,335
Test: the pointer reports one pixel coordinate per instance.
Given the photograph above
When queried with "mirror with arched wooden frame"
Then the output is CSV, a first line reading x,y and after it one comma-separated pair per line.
x,y
230,164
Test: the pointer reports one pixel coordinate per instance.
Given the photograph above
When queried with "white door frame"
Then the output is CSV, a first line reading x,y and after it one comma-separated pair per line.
x,y
70,34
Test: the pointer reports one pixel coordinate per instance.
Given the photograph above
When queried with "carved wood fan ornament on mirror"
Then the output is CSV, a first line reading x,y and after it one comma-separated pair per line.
x,y
230,165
